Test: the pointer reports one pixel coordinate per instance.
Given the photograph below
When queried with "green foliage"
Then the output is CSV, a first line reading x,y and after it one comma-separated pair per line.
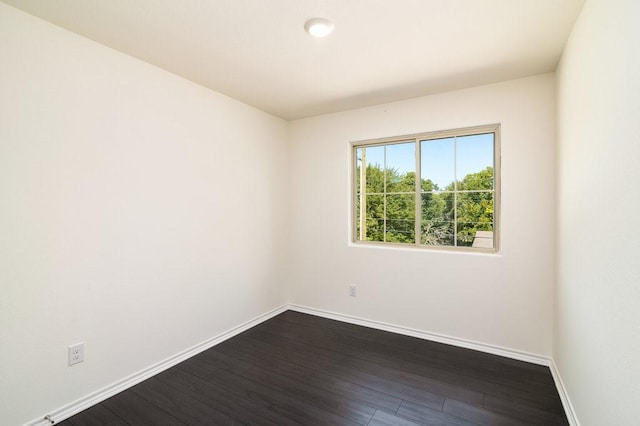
x,y
482,180
396,203
475,209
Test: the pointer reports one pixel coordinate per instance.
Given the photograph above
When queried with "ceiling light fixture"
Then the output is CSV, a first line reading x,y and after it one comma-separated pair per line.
x,y
319,27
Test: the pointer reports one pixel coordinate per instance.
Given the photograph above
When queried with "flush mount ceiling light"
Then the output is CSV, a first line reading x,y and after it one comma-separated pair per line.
x,y
319,27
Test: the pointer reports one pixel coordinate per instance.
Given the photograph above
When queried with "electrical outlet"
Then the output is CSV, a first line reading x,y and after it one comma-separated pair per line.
x,y
76,353
352,290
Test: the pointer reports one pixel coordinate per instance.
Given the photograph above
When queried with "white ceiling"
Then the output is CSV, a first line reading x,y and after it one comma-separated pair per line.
x,y
256,51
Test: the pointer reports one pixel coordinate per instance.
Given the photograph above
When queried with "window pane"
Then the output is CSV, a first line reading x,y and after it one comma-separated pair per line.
x,y
374,161
437,164
475,214
474,162
370,227
400,218
437,219
400,167
438,207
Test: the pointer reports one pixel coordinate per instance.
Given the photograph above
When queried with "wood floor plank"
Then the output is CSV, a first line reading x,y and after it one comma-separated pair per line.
x,y
297,382
372,376
232,363
478,415
344,407
136,410
524,411
546,400
180,405
303,408
305,374
427,416
223,400
382,418
98,415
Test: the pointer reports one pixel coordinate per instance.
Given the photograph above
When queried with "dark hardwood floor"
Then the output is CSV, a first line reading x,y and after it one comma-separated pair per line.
x,y
301,369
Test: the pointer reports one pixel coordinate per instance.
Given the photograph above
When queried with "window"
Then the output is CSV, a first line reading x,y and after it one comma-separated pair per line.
x,y
454,203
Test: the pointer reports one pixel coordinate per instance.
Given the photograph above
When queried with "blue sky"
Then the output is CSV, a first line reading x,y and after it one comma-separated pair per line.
x,y
474,153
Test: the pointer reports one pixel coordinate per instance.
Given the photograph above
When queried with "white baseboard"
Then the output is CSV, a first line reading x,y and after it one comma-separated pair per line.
x,y
564,396
435,337
75,407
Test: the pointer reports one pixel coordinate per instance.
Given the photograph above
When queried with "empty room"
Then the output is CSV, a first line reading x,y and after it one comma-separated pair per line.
x,y
328,212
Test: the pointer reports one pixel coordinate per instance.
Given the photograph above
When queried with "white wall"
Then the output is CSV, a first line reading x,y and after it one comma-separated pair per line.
x,y
597,334
139,213
505,299
137,208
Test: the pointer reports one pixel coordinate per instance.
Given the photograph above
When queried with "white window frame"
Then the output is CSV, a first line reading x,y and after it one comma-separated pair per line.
x,y
417,138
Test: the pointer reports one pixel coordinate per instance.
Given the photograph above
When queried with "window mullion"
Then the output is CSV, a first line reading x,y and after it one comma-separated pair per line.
x,y
384,195
455,191
418,211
